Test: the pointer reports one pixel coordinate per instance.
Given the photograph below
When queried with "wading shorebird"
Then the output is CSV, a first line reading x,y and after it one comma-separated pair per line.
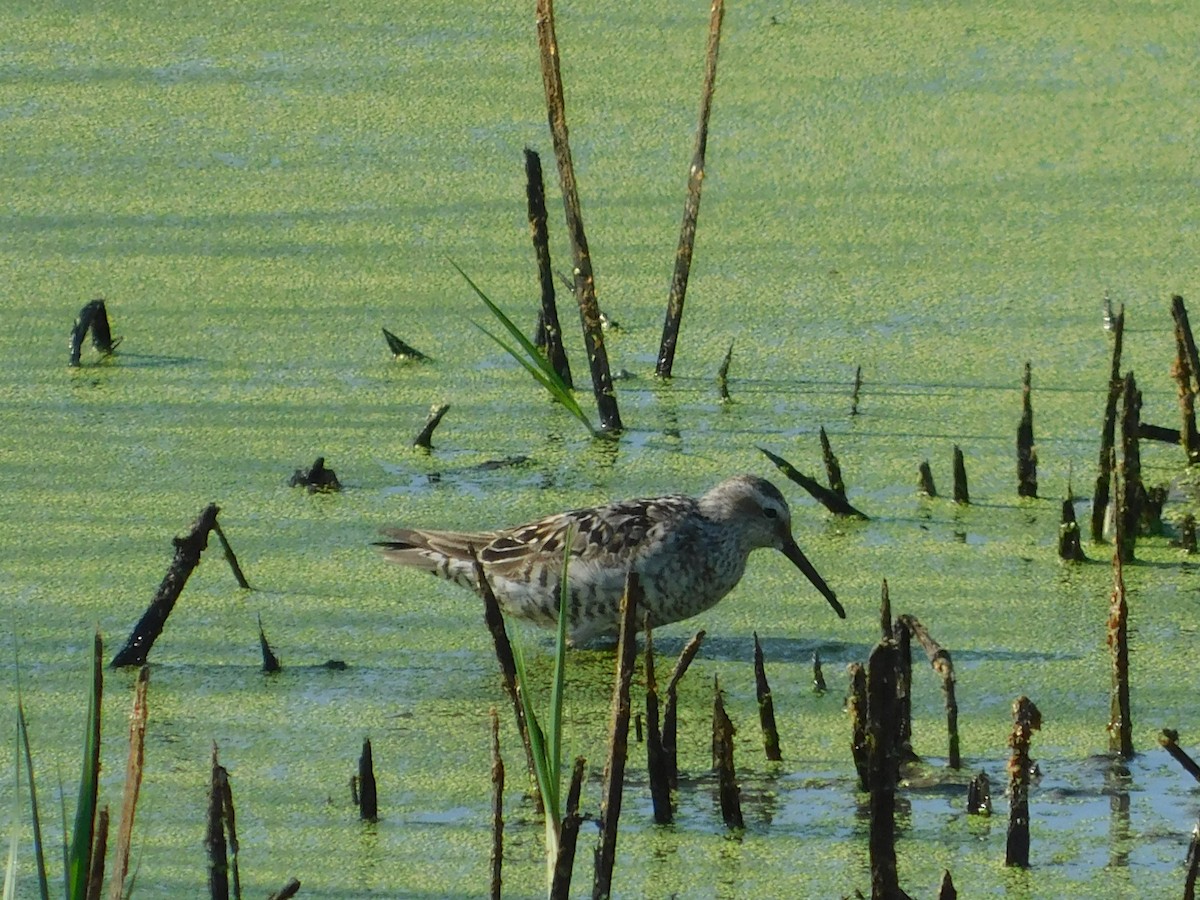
x,y
689,552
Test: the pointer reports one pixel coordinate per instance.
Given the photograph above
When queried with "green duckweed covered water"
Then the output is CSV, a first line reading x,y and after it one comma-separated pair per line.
x,y
935,195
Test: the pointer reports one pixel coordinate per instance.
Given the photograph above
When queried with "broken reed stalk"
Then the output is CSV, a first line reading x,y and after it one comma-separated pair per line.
x,y
857,706
885,611
133,783
722,747
723,374
979,796
903,638
95,880
1133,492
818,676
1069,546
657,769
691,208
585,283
833,471
214,840
1186,374
618,739
1169,740
94,318
1026,451
857,389
925,479
961,495
1108,432
368,797
882,769
270,663
939,659
289,890
424,438
402,350
1120,723
670,721
831,500
231,558
766,705
1026,720
494,620
946,890
568,836
150,626
1193,865
549,331
497,857
317,478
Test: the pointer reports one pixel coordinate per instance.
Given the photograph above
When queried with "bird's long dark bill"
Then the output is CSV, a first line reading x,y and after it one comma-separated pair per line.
x,y
796,555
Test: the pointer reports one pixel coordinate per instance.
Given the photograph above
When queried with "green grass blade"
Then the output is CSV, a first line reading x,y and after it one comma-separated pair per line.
x,y
38,848
79,855
10,868
529,356
560,657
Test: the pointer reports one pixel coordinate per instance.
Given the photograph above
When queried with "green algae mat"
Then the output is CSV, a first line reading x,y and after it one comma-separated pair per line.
x,y
933,194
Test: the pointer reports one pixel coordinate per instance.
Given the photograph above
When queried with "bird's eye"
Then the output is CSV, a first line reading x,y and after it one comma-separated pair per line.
x,y
771,513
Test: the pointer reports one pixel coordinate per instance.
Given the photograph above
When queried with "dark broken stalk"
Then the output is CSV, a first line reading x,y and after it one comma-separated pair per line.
x,y
1133,493
939,659
857,706
497,857
885,611
1026,720
317,478
585,284
903,732
424,438
230,557
1108,432
818,676
723,375
727,786
368,795
1168,739
882,769
289,890
833,471
766,705
925,479
95,880
857,390
401,350
270,663
1120,724
657,770
94,318
150,626
829,499
961,495
1026,451
214,841
494,620
1069,546
670,719
946,890
1192,865
979,796
618,739
549,329
568,836
1187,373
691,208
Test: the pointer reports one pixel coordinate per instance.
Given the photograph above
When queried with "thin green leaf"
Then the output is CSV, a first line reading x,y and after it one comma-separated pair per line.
x,y
10,868
79,856
529,356
38,848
